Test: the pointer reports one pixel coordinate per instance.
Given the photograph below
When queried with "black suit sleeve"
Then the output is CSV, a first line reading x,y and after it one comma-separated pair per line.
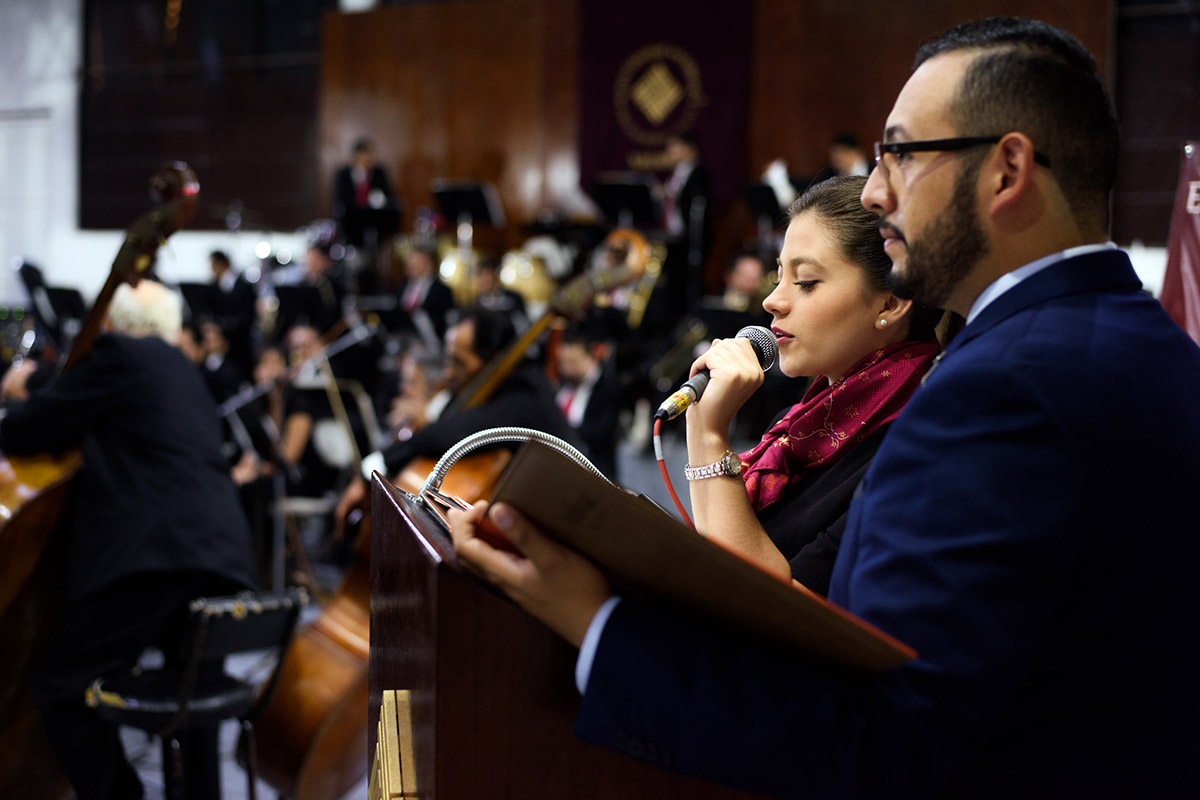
x,y
57,417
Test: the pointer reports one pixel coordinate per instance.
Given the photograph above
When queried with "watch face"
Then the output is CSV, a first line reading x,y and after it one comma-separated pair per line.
x,y
733,465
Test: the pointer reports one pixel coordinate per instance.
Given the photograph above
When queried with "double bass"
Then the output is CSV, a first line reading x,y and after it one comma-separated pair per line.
x,y
33,491
312,737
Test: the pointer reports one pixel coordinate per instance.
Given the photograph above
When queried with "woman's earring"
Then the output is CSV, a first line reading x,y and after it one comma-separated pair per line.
x,y
883,323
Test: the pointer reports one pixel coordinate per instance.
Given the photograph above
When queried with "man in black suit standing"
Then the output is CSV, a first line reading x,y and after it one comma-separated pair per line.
x,y
687,222
364,205
234,310
157,519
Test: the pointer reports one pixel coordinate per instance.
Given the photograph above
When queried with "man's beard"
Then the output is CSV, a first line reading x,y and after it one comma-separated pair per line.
x,y
946,251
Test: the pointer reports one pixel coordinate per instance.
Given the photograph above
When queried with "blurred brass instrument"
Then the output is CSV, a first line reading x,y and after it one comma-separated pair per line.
x,y
627,247
525,273
456,268
675,364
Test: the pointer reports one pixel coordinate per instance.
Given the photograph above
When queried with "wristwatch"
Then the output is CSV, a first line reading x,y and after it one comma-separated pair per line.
x,y
729,464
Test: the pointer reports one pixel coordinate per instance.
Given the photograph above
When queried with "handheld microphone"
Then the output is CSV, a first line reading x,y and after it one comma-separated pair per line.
x,y
765,347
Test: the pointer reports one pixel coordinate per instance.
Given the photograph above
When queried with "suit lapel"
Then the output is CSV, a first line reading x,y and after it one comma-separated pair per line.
x,y
1108,270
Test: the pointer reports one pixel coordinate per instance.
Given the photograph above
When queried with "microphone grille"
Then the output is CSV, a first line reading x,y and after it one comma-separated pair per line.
x,y
763,342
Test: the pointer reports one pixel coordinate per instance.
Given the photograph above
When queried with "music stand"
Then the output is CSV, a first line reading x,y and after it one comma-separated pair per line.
x,y
473,203
627,200
200,299
58,311
763,204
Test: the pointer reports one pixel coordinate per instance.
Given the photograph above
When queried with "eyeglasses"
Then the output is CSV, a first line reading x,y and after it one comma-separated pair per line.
x,y
944,145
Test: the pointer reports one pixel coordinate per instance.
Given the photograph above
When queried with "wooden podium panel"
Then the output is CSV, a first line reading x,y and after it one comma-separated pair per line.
x,y
490,690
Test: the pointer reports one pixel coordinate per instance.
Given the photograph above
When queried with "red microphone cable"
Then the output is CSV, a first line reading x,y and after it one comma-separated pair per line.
x,y
662,467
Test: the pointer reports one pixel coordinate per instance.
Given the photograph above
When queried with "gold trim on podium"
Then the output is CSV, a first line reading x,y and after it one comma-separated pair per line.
x,y
394,771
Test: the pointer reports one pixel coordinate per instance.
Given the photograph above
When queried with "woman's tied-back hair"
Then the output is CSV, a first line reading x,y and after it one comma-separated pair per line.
x,y
151,309
856,230
1039,80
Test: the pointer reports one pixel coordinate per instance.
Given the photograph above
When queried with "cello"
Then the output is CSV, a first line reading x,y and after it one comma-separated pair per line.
x,y
33,491
312,737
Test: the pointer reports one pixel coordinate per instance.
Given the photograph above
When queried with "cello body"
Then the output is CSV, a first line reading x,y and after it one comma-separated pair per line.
x,y
33,491
312,737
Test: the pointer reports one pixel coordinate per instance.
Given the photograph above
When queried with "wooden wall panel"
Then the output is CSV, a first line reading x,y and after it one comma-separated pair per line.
x,y
235,96
824,66
473,90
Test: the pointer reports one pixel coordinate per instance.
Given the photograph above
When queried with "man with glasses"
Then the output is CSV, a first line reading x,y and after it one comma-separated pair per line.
x,y
1026,525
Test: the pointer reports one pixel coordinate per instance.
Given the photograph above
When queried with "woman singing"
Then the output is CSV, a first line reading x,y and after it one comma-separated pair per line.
x,y
783,503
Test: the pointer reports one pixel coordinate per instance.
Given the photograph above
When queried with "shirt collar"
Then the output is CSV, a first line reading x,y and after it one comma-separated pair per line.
x,y
1010,279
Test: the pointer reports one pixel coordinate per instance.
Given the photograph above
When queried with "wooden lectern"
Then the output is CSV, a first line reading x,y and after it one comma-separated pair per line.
x,y
477,697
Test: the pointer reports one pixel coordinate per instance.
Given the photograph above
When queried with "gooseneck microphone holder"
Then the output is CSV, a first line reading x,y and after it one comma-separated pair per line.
x,y
494,436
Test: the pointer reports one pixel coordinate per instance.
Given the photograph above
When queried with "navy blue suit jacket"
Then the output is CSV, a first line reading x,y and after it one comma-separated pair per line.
x,y
1029,526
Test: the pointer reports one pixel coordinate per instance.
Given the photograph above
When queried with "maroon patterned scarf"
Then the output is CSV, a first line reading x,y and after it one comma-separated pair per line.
x,y
832,418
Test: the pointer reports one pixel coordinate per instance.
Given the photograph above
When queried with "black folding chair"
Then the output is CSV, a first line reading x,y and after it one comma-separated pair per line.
x,y
195,693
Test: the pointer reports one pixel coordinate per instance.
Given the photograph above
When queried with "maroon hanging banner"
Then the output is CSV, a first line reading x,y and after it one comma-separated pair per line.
x,y
1181,284
652,69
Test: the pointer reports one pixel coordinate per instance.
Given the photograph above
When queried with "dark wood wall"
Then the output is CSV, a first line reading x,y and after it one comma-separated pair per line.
x,y
1157,86
471,90
488,90
232,91
823,66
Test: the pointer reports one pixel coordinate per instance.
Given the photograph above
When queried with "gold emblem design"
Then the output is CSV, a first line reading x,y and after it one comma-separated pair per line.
x,y
657,92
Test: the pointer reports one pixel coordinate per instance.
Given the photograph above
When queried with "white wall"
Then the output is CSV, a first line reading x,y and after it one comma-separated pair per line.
x,y
40,61
1150,264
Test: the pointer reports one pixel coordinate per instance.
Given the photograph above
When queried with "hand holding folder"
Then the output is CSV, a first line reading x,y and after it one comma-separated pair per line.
x,y
642,550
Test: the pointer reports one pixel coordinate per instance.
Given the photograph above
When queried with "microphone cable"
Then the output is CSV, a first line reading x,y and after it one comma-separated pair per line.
x,y
766,349
666,476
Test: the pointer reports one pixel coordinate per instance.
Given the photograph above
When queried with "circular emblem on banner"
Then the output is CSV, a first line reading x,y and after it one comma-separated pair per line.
x,y
657,93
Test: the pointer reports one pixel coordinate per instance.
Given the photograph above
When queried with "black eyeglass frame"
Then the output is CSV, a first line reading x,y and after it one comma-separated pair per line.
x,y
945,145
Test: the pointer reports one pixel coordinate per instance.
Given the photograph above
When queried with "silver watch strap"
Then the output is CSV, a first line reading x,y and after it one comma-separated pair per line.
x,y
713,470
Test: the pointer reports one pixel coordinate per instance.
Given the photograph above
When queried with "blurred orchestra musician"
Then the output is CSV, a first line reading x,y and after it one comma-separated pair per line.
x,y
425,302
222,373
589,394
257,452
157,522
305,405
490,293
321,274
415,391
524,399
234,309
740,304
686,220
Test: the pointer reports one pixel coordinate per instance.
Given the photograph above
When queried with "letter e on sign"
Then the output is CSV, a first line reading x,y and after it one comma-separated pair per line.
x,y
1193,197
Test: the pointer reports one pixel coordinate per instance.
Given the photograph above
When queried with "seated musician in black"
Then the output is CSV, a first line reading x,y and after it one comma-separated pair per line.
x,y
525,399
157,520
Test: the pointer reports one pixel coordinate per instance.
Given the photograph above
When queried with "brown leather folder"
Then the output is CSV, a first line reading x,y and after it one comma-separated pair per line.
x,y
646,551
